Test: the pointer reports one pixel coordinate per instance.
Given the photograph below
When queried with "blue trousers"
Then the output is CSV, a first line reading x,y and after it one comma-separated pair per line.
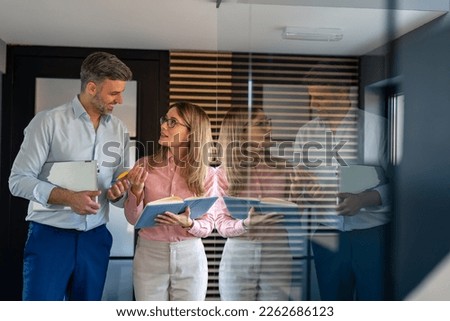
x,y
62,264
355,267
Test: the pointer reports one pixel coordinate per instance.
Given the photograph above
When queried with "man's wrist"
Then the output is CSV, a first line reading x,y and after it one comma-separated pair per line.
x,y
117,199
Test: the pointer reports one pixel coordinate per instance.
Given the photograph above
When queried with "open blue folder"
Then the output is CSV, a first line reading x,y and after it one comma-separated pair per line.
x,y
240,206
291,222
197,205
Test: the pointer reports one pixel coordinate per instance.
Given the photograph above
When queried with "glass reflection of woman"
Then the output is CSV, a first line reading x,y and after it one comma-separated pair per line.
x,y
256,262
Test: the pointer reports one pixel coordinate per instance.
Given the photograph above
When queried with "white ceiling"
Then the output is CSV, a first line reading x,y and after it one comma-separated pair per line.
x,y
237,25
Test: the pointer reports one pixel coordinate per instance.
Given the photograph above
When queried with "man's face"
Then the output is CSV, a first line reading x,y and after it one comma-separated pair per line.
x,y
328,100
108,94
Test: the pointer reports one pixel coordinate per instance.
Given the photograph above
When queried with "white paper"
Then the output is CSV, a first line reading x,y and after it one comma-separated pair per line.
x,y
76,176
358,178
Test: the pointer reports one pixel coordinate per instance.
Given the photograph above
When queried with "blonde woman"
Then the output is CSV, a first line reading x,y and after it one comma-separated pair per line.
x,y
170,260
257,245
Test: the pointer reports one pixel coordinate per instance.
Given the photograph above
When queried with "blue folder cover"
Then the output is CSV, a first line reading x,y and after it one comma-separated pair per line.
x,y
240,206
197,205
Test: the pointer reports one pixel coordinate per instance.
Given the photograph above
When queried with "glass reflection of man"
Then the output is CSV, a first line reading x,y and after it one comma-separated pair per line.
x,y
350,235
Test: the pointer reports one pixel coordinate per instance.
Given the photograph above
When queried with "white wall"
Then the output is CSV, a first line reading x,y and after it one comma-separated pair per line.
x,y
2,56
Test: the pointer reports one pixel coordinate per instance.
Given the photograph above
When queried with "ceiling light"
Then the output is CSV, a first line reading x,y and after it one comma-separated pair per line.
x,y
312,34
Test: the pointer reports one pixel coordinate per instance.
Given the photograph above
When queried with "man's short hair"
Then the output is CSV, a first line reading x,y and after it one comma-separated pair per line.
x,y
100,65
330,73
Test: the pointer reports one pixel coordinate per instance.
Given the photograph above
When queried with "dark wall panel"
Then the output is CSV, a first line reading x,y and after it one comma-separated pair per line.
x,y
422,190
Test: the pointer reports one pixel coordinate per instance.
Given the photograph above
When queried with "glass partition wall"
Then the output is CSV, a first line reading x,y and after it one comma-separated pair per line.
x,y
273,94
272,85
278,79
281,88
406,61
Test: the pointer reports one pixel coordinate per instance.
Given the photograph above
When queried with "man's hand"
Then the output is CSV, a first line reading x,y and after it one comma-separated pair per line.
x,y
83,203
118,189
304,187
350,204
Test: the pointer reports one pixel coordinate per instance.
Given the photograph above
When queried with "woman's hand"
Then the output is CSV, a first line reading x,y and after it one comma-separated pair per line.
x,y
183,219
254,218
264,226
136,177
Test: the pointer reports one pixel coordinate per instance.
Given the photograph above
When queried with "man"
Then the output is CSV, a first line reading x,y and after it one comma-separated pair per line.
x,y
349,241
67,251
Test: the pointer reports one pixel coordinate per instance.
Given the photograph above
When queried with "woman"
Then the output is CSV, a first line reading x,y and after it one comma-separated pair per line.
x,y
258,245
170,260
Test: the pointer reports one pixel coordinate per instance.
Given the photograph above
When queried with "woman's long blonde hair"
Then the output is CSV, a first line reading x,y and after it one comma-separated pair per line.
x,y
195,166
233,133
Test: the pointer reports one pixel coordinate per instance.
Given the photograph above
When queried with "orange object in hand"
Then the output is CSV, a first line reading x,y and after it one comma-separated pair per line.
x,y
122,175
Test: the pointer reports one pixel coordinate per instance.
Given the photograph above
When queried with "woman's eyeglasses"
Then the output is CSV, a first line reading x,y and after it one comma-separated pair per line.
x,y
171,122
265,122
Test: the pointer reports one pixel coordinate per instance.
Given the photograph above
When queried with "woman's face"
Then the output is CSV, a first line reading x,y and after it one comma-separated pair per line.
x,y
259,129
174,131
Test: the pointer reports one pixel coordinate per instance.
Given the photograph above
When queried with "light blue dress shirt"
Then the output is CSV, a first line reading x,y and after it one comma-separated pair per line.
x,y
373,151
66,133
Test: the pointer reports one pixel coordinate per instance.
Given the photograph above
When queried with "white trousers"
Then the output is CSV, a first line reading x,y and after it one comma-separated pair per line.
x,y
170,271
255,271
